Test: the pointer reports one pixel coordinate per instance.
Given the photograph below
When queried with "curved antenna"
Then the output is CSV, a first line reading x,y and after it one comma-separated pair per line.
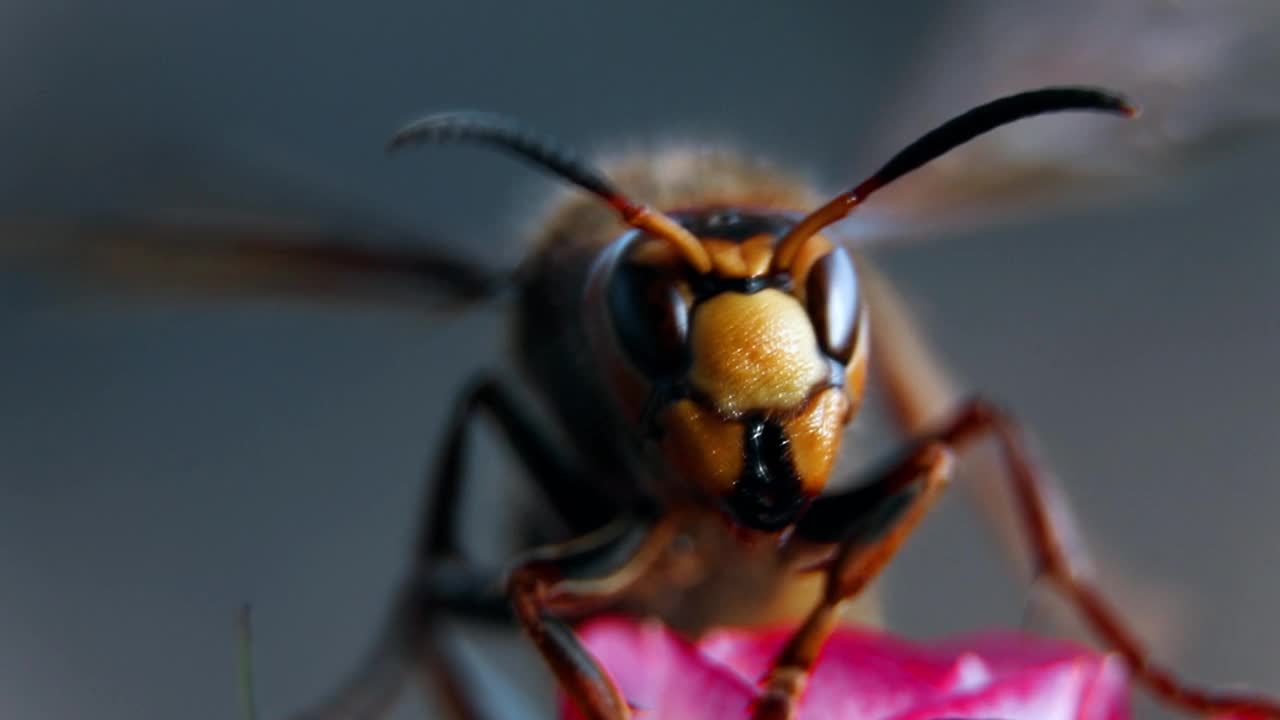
x,y
953,133
507,134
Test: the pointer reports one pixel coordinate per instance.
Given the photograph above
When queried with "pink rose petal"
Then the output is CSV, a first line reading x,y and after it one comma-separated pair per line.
x,y
861,675
662,675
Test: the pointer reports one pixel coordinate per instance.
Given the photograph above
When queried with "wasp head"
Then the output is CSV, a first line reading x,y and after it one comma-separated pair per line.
x,y
741,377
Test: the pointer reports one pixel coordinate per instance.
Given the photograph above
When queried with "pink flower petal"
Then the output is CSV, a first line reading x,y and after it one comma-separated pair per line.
x,y
663,675
861,675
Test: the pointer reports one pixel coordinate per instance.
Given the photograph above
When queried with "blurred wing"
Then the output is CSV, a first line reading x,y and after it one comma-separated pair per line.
x,y
1202,70
226,254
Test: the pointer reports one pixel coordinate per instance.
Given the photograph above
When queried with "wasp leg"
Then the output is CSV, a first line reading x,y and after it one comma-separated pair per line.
x,y
1057,563
411,639
578,503
442,583
578,577
869,525
557,476
921,392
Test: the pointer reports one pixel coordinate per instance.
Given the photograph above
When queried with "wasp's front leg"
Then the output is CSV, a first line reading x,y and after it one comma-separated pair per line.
x,y
575,578
876,518
1058,563
867,526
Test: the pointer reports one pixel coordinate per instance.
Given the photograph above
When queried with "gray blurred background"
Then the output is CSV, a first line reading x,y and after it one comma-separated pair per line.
x,y
162,462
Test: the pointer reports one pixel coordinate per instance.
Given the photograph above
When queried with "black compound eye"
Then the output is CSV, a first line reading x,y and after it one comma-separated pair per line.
x,y
831,292
651,318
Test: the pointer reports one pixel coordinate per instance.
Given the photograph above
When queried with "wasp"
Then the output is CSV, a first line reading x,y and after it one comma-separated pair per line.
x,y
704,353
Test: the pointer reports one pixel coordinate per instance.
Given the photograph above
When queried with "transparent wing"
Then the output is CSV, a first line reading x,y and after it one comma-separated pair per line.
x,y
1202,70
225,253
1204,73
267,225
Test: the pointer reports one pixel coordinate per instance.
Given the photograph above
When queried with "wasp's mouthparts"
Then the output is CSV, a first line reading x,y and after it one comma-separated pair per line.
x,y
769,494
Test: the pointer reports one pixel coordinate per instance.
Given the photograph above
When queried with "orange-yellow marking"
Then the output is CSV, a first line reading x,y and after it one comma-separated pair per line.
x,y
754,352
704,446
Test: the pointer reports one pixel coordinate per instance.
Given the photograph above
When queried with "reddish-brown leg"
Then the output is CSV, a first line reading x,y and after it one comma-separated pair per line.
x,y
924,470
1054,559
578,577
921,394
890,508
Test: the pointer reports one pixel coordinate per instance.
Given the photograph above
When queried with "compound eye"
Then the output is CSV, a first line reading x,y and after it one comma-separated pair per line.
x,y
831,292
651,318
